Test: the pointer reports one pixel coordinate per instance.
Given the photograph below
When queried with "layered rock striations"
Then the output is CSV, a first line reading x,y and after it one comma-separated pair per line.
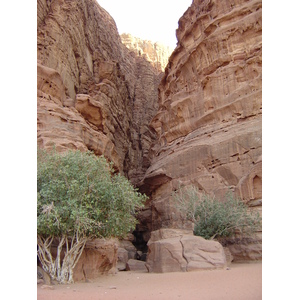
x,y
155,52
93,93
210,106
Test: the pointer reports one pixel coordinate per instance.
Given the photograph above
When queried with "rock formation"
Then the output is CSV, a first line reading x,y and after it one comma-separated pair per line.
x,y
99,257
93,93
136,266
209,119
157,53
179,250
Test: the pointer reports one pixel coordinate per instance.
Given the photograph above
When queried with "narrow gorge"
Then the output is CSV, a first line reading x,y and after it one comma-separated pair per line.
x,y
193,116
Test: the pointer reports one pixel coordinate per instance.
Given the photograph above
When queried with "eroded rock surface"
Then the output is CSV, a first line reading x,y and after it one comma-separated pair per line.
x,y
64,126
178,250
93,92
99,257
96,94
210,106
136,266
155,52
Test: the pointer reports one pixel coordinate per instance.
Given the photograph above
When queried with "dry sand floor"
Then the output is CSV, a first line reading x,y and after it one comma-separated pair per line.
x,y
240,282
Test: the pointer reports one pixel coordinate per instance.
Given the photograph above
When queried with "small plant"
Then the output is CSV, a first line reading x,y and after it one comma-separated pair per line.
x,y
213,218
78,199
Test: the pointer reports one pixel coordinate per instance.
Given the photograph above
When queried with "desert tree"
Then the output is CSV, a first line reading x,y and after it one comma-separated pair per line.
x,y
79,198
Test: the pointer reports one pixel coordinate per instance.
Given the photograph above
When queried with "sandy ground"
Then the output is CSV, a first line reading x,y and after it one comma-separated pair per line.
x,y
240,282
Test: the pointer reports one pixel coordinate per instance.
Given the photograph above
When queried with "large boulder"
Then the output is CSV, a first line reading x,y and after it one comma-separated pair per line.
x,y
136,265
99,257
174,250
122,259
243,249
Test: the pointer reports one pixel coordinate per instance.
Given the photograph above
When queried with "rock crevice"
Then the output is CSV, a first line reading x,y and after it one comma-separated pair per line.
x,y
197,123
208,124
99,95
173,250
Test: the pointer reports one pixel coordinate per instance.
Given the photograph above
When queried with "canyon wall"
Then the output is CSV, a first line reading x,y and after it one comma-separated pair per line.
x,y
210,106
93,92
157,53
198,123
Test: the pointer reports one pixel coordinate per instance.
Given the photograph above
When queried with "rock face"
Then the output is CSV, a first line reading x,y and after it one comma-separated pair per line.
x,y
136,266
122,259
157,53
209,119
245,249
93,93
99,257
62,125
179,250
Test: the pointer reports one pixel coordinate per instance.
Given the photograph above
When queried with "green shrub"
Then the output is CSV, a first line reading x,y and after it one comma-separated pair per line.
x,y
79,198
215,218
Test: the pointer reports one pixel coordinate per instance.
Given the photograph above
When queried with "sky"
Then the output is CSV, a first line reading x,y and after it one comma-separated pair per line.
x,y
155,20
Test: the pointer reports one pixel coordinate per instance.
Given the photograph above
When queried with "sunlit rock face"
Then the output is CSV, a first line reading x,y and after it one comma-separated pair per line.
x,y
177,250
155,52
210,106
93,92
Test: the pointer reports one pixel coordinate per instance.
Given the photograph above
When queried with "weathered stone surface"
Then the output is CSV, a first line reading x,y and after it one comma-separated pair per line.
x,y
63,126
129,237
209,119
136,265
202,254
99,257
157,53
129,247
179,250
143,84
122,259
45,277
245,249
229,257
93,92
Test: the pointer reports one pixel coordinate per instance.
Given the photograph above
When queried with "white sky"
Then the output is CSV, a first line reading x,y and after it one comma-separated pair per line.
x,y
155,20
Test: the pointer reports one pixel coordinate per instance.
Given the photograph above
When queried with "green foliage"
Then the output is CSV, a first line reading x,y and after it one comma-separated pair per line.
x,y
77,194
213,218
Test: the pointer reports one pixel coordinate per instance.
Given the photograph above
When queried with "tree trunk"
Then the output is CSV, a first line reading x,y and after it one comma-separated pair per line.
x,y
45,256
60,271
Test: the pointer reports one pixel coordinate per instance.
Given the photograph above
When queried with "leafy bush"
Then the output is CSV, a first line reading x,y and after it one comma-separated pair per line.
x,y
213,218
79,198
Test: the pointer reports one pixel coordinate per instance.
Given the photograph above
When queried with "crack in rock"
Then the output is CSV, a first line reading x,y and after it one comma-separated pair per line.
x,y
185,258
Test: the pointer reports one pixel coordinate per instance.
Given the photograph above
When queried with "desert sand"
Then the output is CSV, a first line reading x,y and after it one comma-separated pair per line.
x,y
240,282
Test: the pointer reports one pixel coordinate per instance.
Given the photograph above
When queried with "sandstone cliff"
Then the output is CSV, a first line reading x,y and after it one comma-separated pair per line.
x,y
210,105
157,53
96,93
93,93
